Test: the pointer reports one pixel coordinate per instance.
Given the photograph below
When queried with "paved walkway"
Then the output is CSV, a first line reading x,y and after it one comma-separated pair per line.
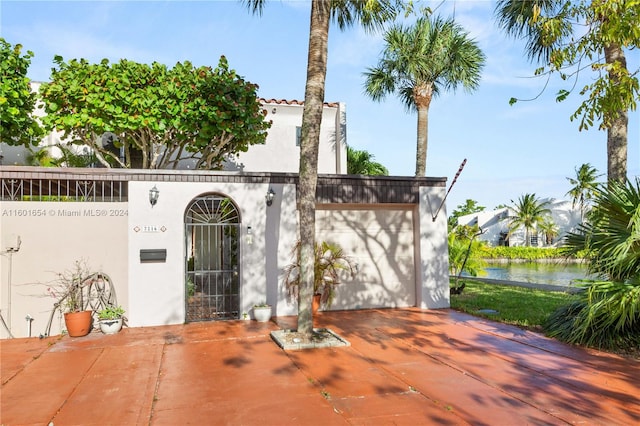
x,y
404,366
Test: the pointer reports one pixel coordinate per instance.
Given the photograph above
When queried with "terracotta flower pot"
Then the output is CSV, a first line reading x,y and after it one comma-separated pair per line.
x,y
315,306
78,323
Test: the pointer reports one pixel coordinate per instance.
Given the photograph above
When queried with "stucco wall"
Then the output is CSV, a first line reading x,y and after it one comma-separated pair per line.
x,y
401,250
157,291
54,235
433,265
280,153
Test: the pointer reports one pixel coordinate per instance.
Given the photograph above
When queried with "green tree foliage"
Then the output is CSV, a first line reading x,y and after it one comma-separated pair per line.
x,y
421,61
567,37
465,255
17,102
584,186
360,162
371,14
608,312
529,212
159,115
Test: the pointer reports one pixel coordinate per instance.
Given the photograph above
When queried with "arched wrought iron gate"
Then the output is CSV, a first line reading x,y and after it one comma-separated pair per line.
x,y
212,259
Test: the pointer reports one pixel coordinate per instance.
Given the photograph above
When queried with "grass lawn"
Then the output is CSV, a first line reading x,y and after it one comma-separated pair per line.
x,y
524,307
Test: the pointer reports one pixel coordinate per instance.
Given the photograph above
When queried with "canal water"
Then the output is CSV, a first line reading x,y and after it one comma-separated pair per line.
x,y
554,273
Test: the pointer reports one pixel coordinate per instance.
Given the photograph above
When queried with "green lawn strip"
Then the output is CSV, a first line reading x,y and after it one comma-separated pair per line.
x,y
524,307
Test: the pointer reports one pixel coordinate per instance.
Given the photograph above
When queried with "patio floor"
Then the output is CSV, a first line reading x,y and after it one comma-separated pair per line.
x,y
404,366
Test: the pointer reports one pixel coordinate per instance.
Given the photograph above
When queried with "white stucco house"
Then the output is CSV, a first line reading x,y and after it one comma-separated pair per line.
x,y
495,224
211,245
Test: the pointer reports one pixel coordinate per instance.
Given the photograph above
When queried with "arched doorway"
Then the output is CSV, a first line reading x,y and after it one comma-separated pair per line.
x,y
212,285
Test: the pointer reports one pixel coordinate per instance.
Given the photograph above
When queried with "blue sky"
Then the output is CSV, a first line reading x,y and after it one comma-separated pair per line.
x,y
530,147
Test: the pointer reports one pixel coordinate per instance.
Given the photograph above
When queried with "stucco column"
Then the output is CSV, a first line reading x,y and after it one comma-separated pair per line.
x,y
432,273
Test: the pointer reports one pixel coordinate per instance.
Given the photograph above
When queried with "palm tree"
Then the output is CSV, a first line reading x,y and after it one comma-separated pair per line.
x,y
549,229
584,186
529,212
421,61
371,14
517,18
360,162
607,313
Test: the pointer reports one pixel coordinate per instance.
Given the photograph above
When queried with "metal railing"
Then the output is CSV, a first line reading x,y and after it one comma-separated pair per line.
x,y
84,190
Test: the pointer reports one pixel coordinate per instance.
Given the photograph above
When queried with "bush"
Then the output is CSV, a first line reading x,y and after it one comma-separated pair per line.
x,y
606,316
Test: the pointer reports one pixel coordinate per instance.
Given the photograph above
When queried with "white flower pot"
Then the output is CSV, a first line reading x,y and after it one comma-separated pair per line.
x,y
111,326
262,313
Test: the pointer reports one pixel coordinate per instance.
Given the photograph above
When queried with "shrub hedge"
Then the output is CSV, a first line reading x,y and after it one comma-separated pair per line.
x,y
526,253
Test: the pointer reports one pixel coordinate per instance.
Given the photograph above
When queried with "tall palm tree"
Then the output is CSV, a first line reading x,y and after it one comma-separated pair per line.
x,y
517,18
371,14
584,186
529,212
421,61
360,162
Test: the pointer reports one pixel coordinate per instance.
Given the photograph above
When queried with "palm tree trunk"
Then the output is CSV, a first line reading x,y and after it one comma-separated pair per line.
x,y
422,142
617,133
422,97
311,120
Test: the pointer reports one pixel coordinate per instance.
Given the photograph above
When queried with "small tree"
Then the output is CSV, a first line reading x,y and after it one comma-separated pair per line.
x,y
584,186
17,102
530,213
464,256
157,116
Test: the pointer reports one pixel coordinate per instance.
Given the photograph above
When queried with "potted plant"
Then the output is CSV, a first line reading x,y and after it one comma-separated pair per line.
x,y
71,300
262,312
111,319
330,261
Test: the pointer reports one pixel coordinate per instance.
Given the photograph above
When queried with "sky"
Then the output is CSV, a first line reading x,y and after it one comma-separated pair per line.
x,y
530,147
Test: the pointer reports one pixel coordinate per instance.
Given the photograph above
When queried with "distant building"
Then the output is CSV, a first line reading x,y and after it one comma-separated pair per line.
x,y
495,225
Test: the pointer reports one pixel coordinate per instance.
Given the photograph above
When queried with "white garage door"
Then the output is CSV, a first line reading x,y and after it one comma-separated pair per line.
x,y
381,242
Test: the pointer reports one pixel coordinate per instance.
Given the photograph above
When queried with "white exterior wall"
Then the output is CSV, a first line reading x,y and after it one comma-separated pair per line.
x,y
54,235
157,290
280,152
400,250
433,257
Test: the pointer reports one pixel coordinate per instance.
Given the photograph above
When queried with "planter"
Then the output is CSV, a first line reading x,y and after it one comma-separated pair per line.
x,y
78,323
262,313
111,326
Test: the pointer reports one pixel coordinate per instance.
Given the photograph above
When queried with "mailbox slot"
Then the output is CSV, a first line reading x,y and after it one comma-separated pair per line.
x,y
153,255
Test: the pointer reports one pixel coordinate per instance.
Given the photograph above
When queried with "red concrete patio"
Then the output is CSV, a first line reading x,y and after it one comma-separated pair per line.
x,y
404,366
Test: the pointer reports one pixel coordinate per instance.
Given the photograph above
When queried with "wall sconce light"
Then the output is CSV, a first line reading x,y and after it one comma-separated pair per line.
x,y
153,195
269,197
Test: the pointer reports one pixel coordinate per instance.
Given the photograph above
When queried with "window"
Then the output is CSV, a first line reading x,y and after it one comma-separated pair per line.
x,y
298,135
